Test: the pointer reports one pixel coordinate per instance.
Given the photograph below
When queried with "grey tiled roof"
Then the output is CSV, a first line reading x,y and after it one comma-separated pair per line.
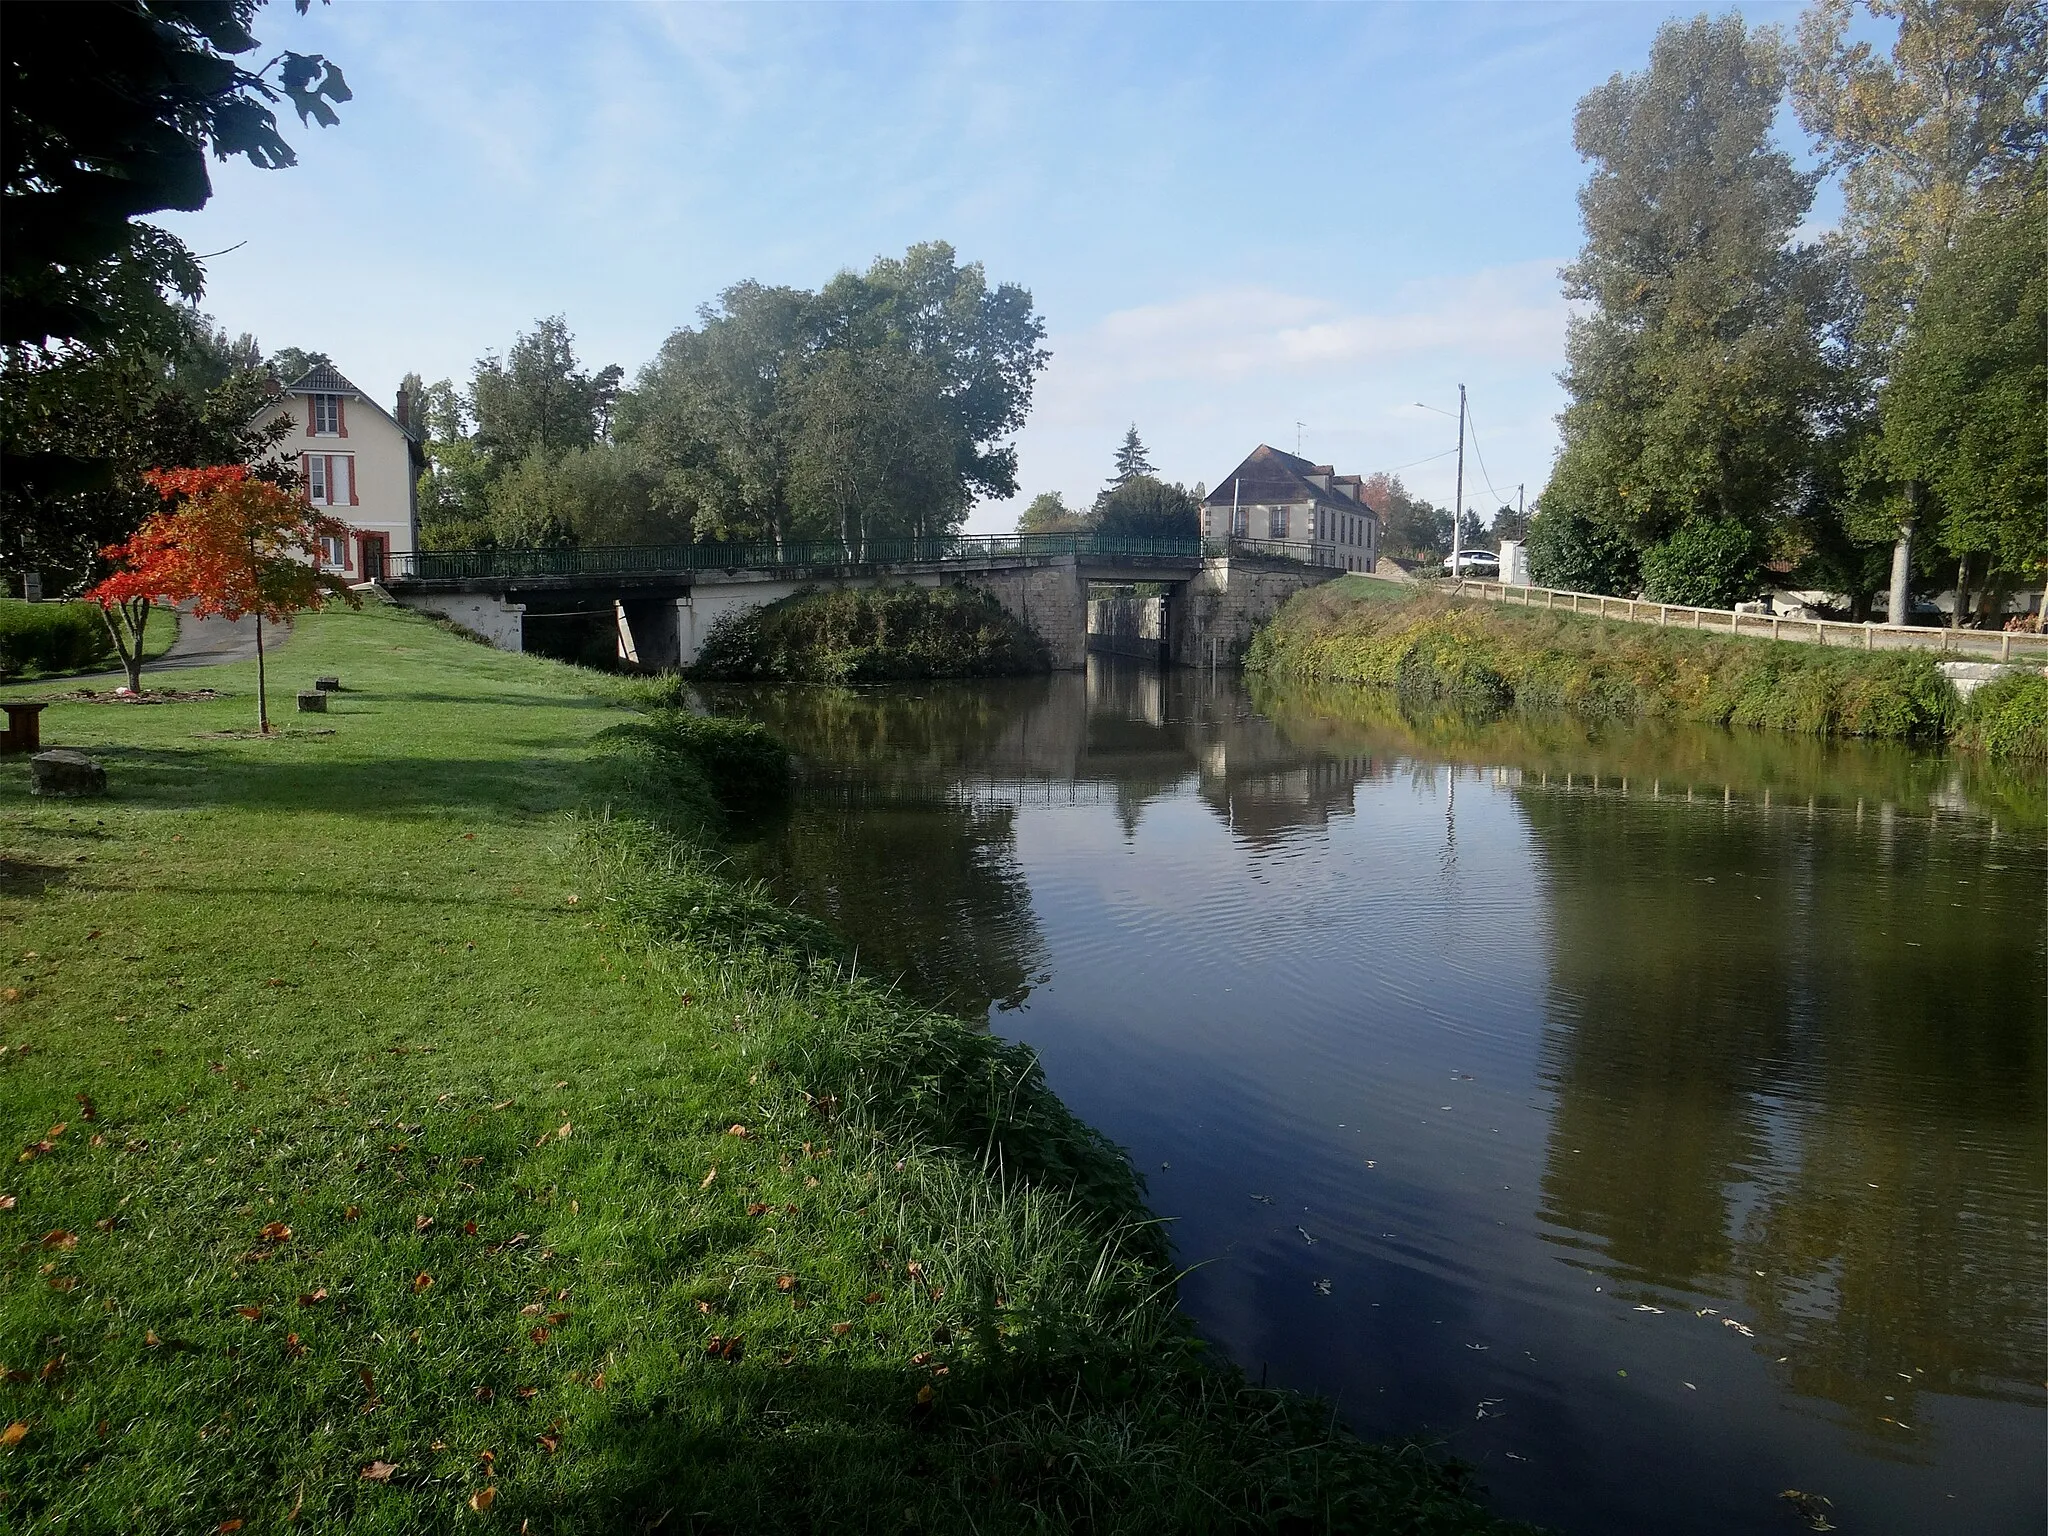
x,y
1272,478
321,380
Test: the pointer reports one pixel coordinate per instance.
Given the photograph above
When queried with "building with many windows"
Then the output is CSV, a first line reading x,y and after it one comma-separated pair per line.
x,y
359,464
1279,498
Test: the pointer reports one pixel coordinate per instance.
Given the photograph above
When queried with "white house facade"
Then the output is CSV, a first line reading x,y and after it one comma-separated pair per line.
x,y
1278,498
358,463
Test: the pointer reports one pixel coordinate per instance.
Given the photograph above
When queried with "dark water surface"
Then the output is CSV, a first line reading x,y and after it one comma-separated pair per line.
x,y
1654,1116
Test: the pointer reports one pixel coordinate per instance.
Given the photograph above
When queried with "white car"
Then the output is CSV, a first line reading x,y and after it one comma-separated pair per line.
x,y
1474,562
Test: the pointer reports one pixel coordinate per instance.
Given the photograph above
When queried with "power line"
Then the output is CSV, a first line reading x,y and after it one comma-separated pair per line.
x,y
1413,462
1498,499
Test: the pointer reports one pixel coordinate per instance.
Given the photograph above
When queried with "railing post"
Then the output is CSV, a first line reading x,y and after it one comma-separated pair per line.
x,y
2005,645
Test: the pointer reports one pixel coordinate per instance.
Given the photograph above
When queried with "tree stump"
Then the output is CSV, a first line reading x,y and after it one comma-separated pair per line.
x,y
65,773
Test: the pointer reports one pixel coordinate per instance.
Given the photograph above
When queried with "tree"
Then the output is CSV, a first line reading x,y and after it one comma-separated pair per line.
x,y
537,396
1049,513
1131,459
1696,371
109,413
1509,524
1963,411
875,451
1146,507
1710,562
1410,528
110,111
1471,531
1574,552
290,364
1947,127
230,545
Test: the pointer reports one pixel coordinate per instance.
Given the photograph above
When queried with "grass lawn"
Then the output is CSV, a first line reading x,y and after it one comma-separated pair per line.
x,y
400,1149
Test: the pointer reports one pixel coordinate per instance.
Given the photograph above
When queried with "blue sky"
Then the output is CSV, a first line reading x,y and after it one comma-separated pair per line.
x,y
1233,218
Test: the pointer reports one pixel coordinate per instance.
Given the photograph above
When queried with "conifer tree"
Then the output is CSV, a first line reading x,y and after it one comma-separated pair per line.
x,y
1131,459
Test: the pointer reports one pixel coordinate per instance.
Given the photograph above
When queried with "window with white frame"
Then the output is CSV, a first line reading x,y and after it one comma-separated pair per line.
x,y
326,416
334,550
1240,522
1276,524
317,482
331,479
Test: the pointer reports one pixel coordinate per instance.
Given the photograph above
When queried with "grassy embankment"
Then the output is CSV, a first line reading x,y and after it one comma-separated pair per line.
x,y
405,1146
873,634
1483,655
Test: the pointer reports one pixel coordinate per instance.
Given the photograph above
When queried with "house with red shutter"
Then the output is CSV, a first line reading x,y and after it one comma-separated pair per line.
x,y
358,463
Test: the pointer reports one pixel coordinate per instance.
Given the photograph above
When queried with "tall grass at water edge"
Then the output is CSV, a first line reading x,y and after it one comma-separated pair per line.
x,y
1431,647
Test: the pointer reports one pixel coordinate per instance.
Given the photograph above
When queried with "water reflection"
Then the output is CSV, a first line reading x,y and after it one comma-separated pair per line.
x,y
1506,1063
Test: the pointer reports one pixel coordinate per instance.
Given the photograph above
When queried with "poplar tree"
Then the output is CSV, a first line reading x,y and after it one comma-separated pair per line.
x,y
1950,126
1695,372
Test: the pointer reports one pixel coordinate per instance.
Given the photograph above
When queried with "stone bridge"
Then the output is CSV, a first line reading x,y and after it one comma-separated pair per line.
x,y
664,601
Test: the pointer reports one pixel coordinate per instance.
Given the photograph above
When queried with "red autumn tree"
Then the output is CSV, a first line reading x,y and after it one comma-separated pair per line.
x,y
230,545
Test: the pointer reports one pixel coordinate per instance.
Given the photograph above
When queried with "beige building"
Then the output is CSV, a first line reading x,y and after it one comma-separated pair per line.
x,y
359,464
1277,498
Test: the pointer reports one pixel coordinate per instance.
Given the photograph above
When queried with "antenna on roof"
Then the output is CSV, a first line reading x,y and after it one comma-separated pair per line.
x,y
1297,437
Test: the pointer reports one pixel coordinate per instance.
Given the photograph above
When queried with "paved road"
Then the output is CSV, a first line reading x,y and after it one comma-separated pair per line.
x,y
215,642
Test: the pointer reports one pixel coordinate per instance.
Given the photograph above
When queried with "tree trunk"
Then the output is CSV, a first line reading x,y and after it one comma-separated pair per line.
x,y
1955,620
262,697
1902,556
136,616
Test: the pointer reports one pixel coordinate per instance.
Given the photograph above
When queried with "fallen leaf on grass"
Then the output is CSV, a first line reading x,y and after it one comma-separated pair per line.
x,y
352,1213
228,1525
785,1282
62,1282
872,1297
104,1224
553,1443
718,1348
740,1131
313,1298
6,1202
276,1232
421,1223
839,1328
292,1346
481,1499
60,1239
469,1229
556,1319
14,1433
925,1395
756,1209
421,1281
87,1110
539,1335
251,1313
562,1131
377,1472
709,1177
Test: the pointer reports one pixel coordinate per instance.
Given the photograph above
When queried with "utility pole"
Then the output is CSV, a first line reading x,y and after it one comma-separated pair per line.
x,y
1458,511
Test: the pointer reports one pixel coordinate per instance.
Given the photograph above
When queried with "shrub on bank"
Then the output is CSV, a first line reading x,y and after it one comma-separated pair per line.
x,y
51,637
871,635
2008,717
1494,658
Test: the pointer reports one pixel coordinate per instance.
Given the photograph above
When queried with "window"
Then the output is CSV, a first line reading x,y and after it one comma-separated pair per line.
x,y
1276,524
326,416
1240,522
334,551
331,479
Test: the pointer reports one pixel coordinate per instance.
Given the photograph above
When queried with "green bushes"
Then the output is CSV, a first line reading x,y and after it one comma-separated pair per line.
x,y
872,635
51,637
1710,562
2008,718
1494,658
1580,554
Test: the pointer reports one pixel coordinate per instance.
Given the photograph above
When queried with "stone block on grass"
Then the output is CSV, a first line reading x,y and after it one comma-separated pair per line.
x,y
313,702
65,773
327,684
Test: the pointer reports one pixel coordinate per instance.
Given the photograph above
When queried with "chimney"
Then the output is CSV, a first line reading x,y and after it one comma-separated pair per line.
x,y
404,411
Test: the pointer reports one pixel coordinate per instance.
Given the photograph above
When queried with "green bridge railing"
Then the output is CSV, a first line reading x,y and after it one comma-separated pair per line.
x,y
627,560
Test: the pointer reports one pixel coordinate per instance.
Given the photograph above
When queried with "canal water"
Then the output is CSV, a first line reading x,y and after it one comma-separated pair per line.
x,y
1652,1117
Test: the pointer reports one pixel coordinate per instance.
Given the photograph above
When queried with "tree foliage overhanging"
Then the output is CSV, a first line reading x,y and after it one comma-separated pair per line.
x,y
110,112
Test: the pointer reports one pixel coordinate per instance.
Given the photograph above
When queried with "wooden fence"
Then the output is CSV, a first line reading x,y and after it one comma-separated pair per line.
x,y
1963,644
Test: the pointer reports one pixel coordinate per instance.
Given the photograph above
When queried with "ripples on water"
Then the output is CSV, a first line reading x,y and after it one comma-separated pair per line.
x,y
1492,1073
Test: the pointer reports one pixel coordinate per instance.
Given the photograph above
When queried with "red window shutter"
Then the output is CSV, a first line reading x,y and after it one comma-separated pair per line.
x,y
352,498
341,416
306,475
